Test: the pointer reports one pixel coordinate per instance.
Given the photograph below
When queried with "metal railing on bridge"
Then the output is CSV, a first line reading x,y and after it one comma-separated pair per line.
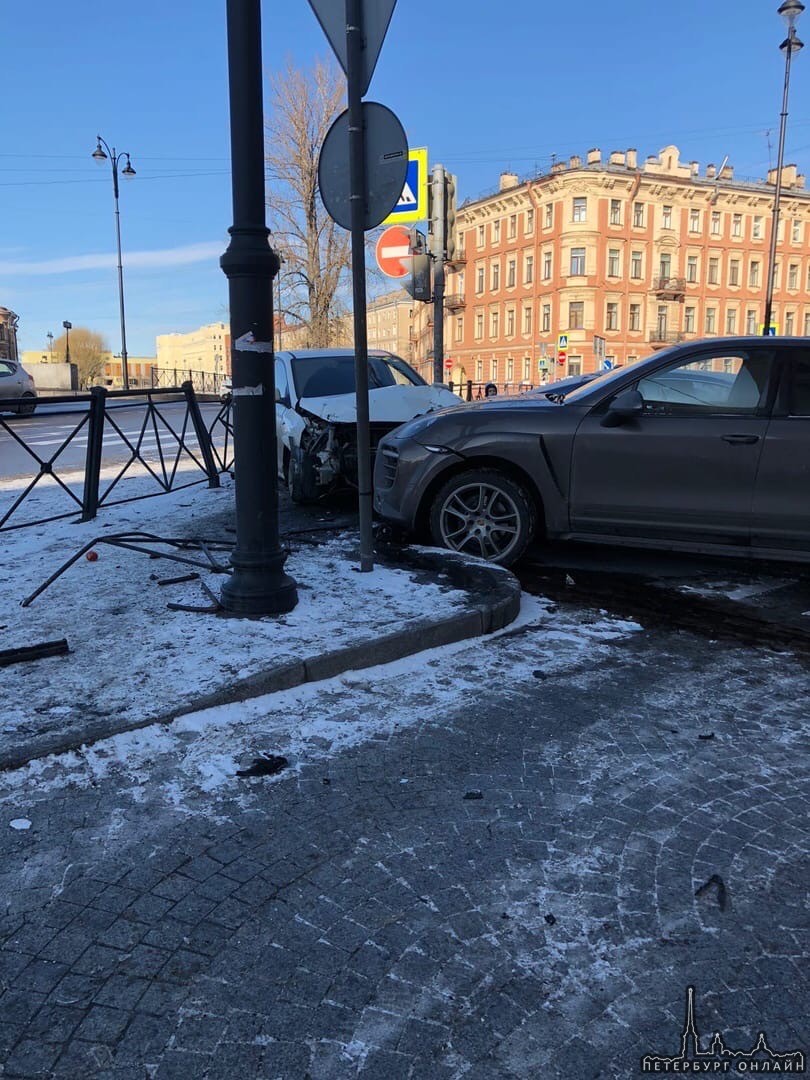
x,y
204,382
156,449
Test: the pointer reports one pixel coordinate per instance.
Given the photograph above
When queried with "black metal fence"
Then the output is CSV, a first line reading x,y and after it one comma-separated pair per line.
x,y
204,382
99,426
475,391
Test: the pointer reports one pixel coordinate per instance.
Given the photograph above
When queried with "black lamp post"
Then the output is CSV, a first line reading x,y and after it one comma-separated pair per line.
x,y
68,326
790,11
258,584
100,156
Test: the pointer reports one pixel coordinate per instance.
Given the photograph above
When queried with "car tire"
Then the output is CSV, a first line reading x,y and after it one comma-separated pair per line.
x,y
484,512
27,406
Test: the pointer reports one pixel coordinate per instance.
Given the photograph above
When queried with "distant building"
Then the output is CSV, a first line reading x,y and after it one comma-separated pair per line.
x,y
206,350
8,334
641,254
56,376
389,320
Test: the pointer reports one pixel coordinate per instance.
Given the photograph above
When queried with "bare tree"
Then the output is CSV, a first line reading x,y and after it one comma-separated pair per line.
x,y
88,350
315,250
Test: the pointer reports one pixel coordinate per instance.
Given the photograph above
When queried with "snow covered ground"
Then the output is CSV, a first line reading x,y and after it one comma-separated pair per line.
x,y
132,657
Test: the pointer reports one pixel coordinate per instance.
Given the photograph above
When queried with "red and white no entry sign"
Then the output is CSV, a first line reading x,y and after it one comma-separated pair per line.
x,y
394,252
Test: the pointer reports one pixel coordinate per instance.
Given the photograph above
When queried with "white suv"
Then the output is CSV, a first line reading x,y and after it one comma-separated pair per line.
x,y
17,391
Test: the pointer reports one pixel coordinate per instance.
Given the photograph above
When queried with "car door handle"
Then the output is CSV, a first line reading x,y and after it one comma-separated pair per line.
x,y
738,440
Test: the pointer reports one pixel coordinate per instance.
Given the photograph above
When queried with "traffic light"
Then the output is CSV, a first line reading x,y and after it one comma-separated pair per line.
x,y
450,214
417,283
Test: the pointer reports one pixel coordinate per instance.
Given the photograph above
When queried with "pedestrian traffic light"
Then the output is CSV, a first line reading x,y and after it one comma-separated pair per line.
x,y
450,214
417,283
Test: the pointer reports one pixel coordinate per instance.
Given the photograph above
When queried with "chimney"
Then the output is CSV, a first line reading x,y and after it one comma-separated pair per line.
x,y
557,167
711,172
694,168
508,180
800,180
595,157
727,172
575,162
632,159
789,175
616,157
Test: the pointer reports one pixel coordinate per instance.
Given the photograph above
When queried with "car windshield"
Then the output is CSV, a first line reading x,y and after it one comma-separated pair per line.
x,y
325,376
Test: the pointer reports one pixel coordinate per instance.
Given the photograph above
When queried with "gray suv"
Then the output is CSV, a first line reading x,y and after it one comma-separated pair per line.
x,y
704,446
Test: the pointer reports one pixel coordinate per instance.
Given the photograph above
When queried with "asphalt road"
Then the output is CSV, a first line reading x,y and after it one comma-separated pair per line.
x,y
45,433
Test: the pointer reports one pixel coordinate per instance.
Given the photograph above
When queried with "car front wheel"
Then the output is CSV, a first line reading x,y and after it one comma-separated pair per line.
x,y
484,513
27,405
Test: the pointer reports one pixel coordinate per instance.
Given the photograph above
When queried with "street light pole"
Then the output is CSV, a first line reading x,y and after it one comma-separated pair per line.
x,y
790,11
68,326
282,262
258,584
100,156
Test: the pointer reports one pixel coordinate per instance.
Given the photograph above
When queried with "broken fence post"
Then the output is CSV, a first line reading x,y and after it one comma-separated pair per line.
x,y
202,433
95,442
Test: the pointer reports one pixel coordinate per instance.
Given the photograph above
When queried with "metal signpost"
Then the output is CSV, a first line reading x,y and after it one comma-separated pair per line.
x,y
438,244
258,585
357,39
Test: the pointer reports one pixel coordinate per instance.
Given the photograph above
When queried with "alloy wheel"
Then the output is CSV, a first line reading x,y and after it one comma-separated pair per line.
x,y
480,519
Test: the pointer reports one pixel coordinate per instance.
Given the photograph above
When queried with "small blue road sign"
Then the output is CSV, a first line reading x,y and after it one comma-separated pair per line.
x,y
607,365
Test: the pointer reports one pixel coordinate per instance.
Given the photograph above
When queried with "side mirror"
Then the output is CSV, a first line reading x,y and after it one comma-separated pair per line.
x,y
625,406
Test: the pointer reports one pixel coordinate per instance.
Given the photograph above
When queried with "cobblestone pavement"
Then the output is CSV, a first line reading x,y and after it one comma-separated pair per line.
x,y
501,886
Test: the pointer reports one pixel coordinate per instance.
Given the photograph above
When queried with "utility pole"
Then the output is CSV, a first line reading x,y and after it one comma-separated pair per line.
x,y
438,246
258,584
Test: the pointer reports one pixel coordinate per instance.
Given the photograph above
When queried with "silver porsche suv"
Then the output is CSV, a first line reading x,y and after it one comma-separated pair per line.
x,y
703,447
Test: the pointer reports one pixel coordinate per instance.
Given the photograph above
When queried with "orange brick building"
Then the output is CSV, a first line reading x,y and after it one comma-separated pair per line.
x,y
640,255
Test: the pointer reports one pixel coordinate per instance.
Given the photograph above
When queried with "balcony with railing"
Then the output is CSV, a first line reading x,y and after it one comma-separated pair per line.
x,y
454,301
660,336
669,288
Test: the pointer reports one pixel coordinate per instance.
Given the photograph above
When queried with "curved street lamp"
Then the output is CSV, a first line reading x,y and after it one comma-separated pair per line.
x,y
790,11
101,154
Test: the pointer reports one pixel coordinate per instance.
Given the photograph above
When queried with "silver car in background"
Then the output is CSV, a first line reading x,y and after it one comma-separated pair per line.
x,y
17,391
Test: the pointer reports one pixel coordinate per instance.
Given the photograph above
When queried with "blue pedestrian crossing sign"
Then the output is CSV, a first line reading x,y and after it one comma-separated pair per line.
x,y
607,365
413,203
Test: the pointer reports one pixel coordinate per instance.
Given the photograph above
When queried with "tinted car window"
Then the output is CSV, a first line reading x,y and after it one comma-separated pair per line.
x,y
735,382
323,376
800,387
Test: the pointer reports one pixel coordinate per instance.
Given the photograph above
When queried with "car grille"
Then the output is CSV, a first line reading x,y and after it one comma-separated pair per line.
x,y
390,463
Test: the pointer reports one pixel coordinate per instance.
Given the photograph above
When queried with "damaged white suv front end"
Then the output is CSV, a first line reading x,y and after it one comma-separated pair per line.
x,y
316,414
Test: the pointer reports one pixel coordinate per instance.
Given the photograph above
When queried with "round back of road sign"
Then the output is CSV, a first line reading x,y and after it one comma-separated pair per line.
x,y
393,252
386,166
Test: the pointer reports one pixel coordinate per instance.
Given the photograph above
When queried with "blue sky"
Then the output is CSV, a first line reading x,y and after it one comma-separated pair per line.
x,y
485,86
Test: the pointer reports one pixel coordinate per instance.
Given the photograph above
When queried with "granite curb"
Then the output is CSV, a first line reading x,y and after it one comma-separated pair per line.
x,y
494,603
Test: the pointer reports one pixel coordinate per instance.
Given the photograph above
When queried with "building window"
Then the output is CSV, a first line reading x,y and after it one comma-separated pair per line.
x,y
714,270
615,211
546,318
715,222
510,322
753,274
665,268
529,222
689,320
496,232
635,264
574,365
549,215
796,232
734,272
790,323
527,320
731,321
807,324
577,261
493,369
496,276
479,370
479,326
493,324
580,208
793,276
480,236
576,315
527,369
756,228
612,317
546,265
459,328
736,225
638,215
666,217
528,269
510,370
694,221
613,262
691,268
479,280
711,320
635,317
750,321
511,273
661,322
512,226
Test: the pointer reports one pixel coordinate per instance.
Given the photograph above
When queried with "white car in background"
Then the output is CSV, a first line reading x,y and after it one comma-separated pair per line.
x,y
18,386
316,416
